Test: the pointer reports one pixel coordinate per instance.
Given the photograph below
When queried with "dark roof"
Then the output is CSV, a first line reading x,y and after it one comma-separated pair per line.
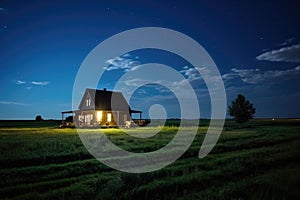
x,y
104,100
135,111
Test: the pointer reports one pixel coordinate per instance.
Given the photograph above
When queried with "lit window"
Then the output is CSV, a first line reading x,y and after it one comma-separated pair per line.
x,y
81,118
99,116
88,102
109,117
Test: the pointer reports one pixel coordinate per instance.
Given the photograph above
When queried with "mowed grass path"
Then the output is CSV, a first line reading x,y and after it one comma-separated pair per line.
x,y
257,162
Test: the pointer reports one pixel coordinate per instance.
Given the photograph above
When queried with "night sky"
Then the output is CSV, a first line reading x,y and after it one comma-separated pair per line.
x,y
255,44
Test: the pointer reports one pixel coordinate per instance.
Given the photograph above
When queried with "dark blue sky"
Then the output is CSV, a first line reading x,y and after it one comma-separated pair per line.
x,y
255,45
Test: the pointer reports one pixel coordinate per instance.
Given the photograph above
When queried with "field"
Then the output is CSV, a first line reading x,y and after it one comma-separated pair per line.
x,y
257,161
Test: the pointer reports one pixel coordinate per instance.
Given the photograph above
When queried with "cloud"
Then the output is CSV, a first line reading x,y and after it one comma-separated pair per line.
x,y
207,76
41,83
19,82
126,62
191,73
30,84
284,54
288,41
255,76
138,82
12,103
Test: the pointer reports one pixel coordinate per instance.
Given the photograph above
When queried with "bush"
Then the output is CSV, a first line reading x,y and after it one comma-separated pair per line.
x,y
38,118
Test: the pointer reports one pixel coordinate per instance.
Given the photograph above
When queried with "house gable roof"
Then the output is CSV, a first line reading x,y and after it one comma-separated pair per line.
x,y
104,100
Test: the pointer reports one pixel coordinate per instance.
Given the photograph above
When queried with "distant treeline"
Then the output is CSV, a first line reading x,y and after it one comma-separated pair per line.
x,y
29,123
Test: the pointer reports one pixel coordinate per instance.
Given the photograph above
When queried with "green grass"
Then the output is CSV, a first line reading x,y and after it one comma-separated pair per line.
x,y
257,161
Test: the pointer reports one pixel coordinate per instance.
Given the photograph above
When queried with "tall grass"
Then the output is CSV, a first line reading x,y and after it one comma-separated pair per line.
x,y
259,161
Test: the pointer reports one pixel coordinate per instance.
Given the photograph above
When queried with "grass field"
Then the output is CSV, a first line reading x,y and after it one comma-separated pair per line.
x,y
258,161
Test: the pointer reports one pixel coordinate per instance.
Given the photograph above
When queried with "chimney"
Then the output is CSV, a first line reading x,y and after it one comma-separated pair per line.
x,y
104,89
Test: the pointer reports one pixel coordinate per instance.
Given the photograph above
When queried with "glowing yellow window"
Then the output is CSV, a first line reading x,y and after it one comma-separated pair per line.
x,y
109,117
99,116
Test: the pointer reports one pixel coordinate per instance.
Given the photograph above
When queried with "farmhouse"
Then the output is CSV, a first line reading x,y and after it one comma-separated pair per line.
x,y
102,108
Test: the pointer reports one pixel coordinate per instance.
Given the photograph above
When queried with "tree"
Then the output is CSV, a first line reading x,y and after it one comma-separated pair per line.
x,y
38,118
241,109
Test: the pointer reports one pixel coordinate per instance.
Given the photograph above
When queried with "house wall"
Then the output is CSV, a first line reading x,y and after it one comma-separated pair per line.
x,y
87,102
